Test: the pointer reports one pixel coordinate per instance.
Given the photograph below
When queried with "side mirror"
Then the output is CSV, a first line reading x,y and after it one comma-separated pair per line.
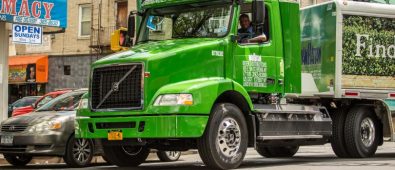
x,y
131,25
258,15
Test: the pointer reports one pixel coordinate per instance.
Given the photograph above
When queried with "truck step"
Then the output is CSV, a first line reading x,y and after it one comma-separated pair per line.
x,y
292,121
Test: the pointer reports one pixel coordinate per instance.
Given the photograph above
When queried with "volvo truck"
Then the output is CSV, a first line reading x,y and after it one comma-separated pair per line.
x,y
323,74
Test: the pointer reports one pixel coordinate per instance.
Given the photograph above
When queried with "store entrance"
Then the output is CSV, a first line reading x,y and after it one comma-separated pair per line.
x,y
18,91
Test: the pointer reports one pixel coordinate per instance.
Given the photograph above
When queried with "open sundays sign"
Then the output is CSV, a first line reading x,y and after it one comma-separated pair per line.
x,y
51,13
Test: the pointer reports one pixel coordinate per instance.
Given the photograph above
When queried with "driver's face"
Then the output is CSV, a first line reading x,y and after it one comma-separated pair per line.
x,y
245,22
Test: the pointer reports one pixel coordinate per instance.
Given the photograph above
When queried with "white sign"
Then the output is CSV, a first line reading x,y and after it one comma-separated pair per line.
x,y
26,34
41,48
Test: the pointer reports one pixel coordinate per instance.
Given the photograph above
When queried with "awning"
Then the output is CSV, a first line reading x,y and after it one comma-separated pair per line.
x,y
28,69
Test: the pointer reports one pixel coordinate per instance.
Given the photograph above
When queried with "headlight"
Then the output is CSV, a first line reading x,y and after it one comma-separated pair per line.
x,y
83,103
174,99
47,125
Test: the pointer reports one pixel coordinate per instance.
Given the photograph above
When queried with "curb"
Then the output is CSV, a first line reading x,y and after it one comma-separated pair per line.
x,y
96,159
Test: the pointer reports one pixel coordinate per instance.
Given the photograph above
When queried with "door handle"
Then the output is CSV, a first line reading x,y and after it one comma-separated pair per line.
x,y
270,80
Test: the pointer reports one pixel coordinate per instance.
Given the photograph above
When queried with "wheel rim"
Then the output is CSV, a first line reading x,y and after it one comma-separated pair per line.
x,y
131,150
173,155
81,150
368,132
229,137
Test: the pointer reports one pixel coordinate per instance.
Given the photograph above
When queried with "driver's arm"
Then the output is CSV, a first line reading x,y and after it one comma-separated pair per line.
x,y
259,39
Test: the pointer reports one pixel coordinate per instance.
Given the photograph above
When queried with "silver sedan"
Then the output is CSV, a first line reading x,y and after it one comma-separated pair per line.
x,y
49,131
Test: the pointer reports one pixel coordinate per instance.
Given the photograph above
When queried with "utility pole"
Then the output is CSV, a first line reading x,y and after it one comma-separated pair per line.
x,y
4,38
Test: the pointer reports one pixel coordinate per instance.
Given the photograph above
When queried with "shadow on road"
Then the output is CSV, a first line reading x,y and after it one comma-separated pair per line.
x,y
255,162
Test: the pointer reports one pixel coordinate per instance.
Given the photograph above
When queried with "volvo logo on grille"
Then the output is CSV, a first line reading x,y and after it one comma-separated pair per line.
x,y
115,87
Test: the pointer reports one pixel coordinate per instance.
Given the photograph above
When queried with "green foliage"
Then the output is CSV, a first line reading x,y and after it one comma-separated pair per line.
x,y
382,30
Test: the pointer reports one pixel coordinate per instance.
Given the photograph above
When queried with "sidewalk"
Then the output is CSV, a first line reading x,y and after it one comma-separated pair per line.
x,y
96,159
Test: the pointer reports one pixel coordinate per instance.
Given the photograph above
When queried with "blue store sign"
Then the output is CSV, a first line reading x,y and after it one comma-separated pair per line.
x,y
51,13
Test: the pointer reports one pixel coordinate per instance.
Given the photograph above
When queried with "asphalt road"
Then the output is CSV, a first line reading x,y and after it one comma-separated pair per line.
x,y
308,158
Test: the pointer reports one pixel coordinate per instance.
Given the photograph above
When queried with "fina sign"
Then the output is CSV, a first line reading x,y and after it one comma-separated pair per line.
x,y
26,34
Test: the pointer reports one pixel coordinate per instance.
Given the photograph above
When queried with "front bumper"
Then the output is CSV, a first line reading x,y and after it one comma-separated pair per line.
x,y
159,127
48,144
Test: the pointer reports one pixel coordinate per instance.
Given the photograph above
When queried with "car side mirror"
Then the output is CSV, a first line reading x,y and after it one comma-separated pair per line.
x,y
258,15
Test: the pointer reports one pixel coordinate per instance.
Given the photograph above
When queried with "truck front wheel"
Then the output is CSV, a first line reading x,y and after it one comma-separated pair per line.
x,y
277,152
126,156
224,143
362,132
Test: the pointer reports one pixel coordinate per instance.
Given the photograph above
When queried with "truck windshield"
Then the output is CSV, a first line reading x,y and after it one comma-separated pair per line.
x,y
193,22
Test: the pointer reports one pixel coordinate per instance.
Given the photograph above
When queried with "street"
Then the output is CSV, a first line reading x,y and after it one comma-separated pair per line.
x,y
310,157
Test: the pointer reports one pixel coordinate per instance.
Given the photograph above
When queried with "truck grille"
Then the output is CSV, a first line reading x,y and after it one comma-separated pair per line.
x,y
117,87
13,128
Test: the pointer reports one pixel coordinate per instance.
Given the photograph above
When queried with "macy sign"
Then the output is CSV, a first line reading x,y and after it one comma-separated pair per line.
x,y
36,9
381,50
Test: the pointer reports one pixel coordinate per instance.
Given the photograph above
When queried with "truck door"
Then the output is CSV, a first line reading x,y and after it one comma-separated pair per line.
x,y
256,67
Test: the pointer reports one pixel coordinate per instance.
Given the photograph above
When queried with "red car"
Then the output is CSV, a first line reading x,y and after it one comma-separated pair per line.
x,y
44,99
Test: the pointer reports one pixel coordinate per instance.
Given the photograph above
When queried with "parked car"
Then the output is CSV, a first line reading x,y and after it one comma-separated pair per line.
x,y
44,99
48,131
23,102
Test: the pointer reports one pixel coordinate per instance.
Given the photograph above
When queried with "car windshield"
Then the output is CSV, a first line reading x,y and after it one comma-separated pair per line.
x,y
193,22
65,102
43,101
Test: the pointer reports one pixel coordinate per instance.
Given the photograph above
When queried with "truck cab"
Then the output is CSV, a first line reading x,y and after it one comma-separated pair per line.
x,y
194,79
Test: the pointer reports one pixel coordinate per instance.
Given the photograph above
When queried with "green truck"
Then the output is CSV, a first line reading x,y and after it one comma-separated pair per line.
x,y
325,74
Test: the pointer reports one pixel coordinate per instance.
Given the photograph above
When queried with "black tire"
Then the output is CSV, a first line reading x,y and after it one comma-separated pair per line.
x,y
223,117
353,129
126,156
168,156
337,140
18,160
277,152
79,152
106,159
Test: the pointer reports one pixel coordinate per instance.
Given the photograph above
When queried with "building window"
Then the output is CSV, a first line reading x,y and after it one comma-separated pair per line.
x,y
85,19
67,70
122,14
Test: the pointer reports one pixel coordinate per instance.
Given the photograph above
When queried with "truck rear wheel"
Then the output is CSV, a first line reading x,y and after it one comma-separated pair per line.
x,y
337,141
277,152
126,156
224,143
362,132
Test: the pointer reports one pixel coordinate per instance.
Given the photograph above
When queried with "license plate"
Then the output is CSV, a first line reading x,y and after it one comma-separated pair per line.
x,y
115,135
7,140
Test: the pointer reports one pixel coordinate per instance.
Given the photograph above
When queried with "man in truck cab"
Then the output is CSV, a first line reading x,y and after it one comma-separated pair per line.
x,y
246,32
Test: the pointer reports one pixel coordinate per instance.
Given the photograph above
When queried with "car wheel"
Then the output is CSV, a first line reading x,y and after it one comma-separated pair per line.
x,y
168,156
224,142
363,132
277,152
79,152
18,160
126,156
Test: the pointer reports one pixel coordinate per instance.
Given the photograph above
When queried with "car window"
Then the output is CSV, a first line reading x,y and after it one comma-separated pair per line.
x,y
66,102
43,101
24,102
